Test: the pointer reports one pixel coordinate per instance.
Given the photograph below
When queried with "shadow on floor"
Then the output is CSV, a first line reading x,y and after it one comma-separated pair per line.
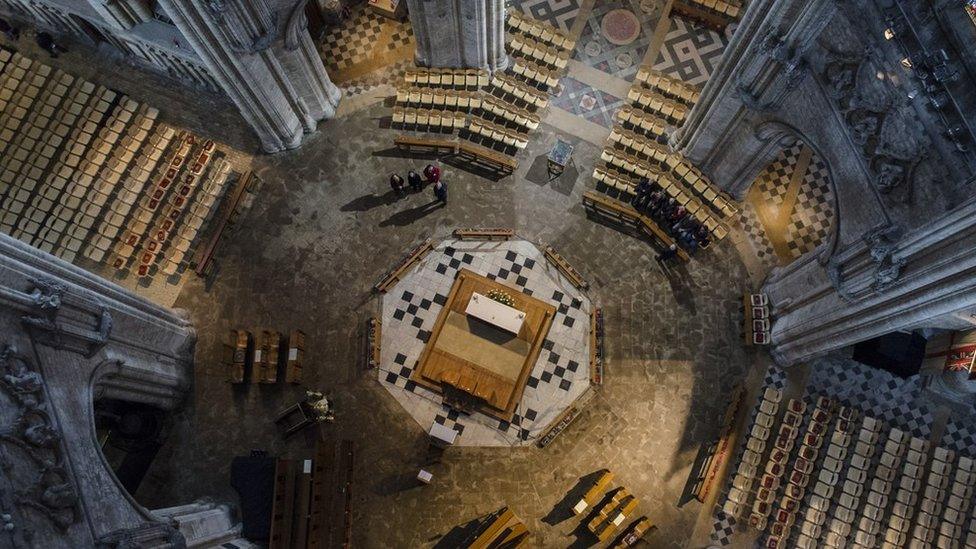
x,y
563,509
563,183
679,279
411,215
369,201
458,535
704,452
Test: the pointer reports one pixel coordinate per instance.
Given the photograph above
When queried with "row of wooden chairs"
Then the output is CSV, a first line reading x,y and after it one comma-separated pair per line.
x,y
519,90
174,213
511,113
428,118
668,184
658,104
540,31
730,9
133,178
175,256
450,78
495,132
541,53
439,97
152,197
648,123
668,85
32,152
687,174
536,73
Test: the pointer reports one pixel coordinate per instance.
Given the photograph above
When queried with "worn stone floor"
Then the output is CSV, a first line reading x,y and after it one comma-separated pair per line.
x,y
324,230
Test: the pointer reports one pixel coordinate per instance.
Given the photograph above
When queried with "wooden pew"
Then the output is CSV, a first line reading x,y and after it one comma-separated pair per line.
x,y
398,272
425,144
484,234
565,268
505,530
203,258
593,494
494,160
615,209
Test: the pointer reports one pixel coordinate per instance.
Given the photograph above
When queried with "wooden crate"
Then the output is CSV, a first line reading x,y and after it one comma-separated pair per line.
x,y
235,352
266,356
296,357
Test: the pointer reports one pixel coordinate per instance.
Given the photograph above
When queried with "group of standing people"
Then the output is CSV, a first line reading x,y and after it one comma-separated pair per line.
x,y
672,217
432,174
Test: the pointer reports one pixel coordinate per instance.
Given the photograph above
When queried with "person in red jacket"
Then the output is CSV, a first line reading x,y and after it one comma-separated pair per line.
x,y
432,173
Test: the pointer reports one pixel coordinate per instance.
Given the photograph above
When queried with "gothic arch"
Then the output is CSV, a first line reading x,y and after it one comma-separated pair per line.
x,y
775,137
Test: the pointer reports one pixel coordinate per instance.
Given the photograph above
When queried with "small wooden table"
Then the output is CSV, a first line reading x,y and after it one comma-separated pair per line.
x,y
559,156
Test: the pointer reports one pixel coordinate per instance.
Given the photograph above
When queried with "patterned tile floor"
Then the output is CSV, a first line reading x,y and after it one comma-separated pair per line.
x,y
388,75
361,38
691,52
808,222
560,374
561,14
897,401
621,60
587,102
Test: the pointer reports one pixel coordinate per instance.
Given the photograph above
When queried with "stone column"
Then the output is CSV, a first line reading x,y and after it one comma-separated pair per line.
x,y
459,33
885,283
63,333
263,58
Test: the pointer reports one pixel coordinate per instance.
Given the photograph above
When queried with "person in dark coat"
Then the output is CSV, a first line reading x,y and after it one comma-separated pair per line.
x,y
396,183
46,42
702,235
440,192
416,184
432,173
12,32
641,194
668,254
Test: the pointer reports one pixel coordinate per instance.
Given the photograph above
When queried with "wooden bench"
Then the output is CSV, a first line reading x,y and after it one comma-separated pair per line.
x,y
565,268
403,267
484,234
374,335
229,210
600,203
505,530
593,494
494,160
425,144
596,346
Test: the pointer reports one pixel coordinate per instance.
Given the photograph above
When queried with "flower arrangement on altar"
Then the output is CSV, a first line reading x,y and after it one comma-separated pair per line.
x,y
502,297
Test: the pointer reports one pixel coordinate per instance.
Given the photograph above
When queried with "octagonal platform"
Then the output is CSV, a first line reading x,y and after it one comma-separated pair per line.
x,y
560,374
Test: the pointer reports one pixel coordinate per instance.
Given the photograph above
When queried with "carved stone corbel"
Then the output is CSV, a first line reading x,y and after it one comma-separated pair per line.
x,y
47,298
149,534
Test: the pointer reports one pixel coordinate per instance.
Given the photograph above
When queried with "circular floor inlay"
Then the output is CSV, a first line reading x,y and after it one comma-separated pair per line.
x,y
592,48
621,27
624,60
587,102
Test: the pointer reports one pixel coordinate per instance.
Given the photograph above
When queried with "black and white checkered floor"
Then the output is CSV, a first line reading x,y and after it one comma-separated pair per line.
x,y
561,373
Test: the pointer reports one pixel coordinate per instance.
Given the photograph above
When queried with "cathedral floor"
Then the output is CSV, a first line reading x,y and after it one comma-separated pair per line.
x,y
326,227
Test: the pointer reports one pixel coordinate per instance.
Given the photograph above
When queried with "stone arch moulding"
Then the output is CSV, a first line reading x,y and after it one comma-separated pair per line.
x,y
105,368
775,136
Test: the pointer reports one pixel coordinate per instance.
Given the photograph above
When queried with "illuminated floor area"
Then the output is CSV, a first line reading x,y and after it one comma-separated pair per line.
x,y
789,209
561,372
307,258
